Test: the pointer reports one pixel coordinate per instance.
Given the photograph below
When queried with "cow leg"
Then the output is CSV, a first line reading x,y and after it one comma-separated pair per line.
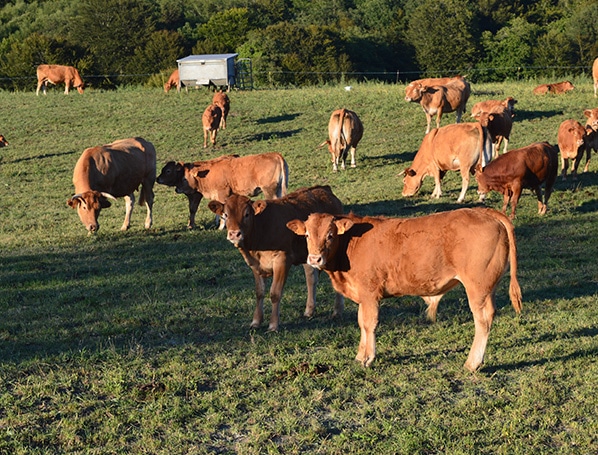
x,y
213,136
353,149
483,314
205,138
194,200
439,118
311,280
129,203
464,184
279,278
367,318
429,121
432,303
335,160
541,206
437,189
339,305
588,156
39,86
66,87
149,203
564,166
515,199
260,291
575,165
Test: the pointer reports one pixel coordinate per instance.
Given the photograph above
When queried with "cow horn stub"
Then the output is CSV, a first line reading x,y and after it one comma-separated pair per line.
x,y
108,195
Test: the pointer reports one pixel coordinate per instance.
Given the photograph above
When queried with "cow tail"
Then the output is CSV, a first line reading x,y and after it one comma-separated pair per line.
x,y
486,147
514,288
341,121
283,180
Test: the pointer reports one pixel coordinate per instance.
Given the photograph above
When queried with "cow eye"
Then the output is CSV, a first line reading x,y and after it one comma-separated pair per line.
x,y
330,236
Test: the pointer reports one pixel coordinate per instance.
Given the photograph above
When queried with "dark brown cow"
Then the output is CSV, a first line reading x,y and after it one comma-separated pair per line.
x,y
58,74
210,120
111,171
499,125
345,130
371,258
219,178
258,230
494,106
573,140
595,76
439,98
174,81
222,100
3,141
556,88
460,147
527,167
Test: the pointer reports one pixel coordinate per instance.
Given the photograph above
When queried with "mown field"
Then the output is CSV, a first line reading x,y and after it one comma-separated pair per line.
x,y
139,341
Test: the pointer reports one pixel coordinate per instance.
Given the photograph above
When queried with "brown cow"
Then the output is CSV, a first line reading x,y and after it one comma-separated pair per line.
x,y
344,133
499,125
222,100
258,230
460,147
219,178
437,99
556,88
173,81
573,140
58,74
111,171
527,167
595,76
592,118
494,106
371,258
210,120
3,141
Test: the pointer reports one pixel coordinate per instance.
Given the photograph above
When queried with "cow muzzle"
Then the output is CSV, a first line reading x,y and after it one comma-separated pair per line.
x,y
316,261
235,237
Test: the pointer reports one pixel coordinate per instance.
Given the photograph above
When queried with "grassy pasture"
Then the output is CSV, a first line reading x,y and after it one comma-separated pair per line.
x,y
138,342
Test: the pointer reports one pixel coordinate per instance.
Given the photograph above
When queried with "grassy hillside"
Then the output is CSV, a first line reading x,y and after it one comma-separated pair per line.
x,y
138,342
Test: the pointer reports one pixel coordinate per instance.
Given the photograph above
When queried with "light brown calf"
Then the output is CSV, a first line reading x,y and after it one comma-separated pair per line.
x,y
222,100
494,106
573,140
556,88
210,120
173,82
499,125
345,130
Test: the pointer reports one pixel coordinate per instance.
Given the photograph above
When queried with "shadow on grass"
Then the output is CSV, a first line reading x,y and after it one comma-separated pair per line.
x,y
521,114
271,135
41,157
278,119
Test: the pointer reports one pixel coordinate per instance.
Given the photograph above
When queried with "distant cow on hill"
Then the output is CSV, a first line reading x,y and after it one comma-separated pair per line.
x,y
112,171
527,167
58,74
3,141
173,82
436,98
371,258
556,88
345,130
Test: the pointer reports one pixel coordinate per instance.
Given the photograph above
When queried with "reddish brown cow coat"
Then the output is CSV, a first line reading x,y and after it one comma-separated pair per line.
x,y
499,125
112,171
222,100
174,81
494,106
345,130
557,88
573,140
219,178
58,74
258,230
371,258
595,76
3,141
437,99
210,120
460,147
527,167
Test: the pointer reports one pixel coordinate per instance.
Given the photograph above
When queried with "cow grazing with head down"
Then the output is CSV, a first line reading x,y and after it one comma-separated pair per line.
x,y
527,167
345,130
371,258
258,230
556,88
112,171
494,106
3,141
436,98
461,147
210,120
499,125
59,74
573,140
174,81
222,100
219,178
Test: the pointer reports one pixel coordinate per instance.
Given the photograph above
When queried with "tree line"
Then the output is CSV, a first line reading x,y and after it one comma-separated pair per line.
x,y
299,42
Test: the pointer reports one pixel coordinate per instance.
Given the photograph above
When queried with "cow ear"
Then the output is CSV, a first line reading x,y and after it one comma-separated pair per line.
x,y
587,113
104,202
410,172
297,226
216,207
73,202
259,206
201,174
343,225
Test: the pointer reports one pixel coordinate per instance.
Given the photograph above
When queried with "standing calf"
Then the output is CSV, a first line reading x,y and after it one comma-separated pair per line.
x,y
573,140
210,120
344,133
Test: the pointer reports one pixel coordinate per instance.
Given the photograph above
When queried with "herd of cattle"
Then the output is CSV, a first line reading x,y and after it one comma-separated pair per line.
x,y
308,227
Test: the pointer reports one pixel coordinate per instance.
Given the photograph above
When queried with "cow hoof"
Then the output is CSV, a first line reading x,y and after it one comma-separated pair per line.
x,y
272,328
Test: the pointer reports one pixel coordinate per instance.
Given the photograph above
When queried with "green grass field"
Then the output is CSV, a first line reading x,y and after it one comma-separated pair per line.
x,y
139,341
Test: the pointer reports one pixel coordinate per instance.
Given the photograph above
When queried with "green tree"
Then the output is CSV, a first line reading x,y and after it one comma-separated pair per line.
x,y
223,33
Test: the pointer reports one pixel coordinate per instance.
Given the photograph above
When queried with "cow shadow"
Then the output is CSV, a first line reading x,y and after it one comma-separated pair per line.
x,y
266,136
395,158
521,114
277,119
41,157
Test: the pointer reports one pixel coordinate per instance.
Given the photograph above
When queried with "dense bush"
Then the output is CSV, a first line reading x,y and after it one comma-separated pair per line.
x,y
299,41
